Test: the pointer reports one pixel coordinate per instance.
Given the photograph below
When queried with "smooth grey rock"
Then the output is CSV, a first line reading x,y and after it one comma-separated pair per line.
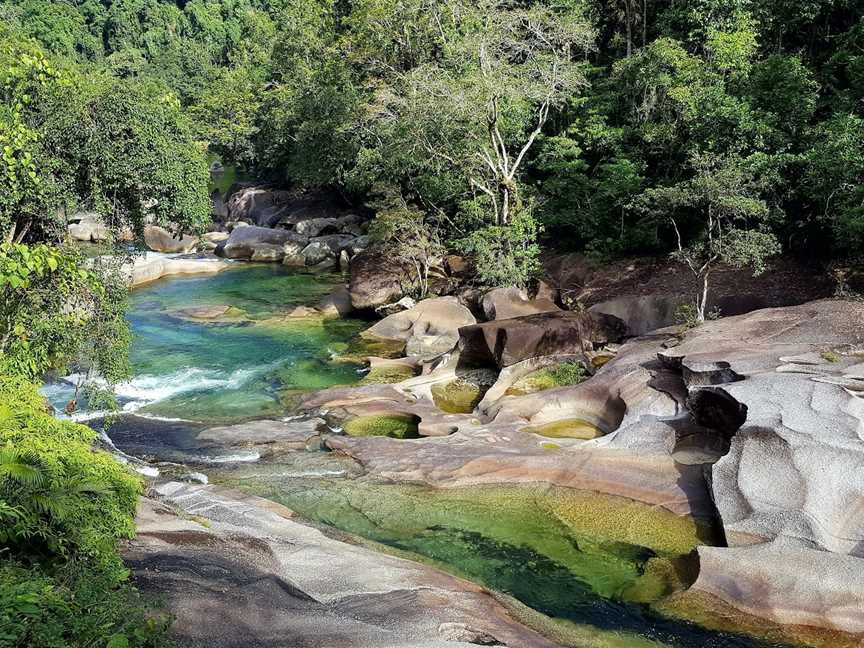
x,y
237,570
268,253
506,303
88,227
159,239
244,241
260,205
317,252
429,329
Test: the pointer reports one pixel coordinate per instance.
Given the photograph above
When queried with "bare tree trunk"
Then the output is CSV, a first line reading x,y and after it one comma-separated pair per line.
x,y
503,189
23,228
628,17
644,23
702,299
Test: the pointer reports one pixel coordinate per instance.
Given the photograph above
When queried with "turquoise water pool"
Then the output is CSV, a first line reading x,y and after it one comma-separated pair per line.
x,y
244,365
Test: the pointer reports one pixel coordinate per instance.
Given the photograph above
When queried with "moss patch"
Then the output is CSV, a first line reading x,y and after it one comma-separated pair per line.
x,y
397,427
462,395
365,345
564,374
567,429
388,375
618,519
457,397
601,359
830,356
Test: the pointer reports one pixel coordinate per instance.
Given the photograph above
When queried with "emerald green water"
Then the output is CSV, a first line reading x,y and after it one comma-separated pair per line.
x,y
221,371
591,564
236,368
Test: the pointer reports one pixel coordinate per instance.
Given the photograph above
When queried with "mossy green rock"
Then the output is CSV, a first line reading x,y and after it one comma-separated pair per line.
x,y
457,397
388,375
567,429
564,374
397,427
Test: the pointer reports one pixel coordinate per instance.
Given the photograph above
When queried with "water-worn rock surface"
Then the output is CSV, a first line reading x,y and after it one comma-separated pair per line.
x,y
240,571
152,266
789,419
602,503
428,330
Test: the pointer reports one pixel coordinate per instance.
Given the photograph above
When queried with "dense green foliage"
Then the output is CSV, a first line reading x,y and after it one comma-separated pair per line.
x,y
56,314
717,131
75,137
63,509
589,123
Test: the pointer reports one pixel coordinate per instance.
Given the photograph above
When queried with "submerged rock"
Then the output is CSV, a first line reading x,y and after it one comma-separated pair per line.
x,y
238,570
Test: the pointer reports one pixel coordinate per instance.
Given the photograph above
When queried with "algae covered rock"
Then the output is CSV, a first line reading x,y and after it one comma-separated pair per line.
x,y
567,429
562,374
388,372
461,396
383,425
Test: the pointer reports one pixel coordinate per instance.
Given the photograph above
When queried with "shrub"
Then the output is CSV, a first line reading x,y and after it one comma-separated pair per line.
x,y
69,500
568,373
63,509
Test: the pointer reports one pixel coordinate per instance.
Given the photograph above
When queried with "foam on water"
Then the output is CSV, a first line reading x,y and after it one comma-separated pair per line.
x,y
240,457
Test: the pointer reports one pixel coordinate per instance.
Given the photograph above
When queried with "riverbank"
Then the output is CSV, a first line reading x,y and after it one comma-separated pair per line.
x,y
610,539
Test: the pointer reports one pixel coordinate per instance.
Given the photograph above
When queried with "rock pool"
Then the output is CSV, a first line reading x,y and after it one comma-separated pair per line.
x,y
217,349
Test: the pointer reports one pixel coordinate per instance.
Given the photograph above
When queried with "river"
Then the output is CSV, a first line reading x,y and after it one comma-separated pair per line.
x,y
250,363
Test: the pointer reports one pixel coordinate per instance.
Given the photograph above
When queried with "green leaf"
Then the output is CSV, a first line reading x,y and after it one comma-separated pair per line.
x,y
118,641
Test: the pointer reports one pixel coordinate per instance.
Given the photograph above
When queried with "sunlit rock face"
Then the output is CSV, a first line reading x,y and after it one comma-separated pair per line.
x,y
428,330
757,420
790,490
239,570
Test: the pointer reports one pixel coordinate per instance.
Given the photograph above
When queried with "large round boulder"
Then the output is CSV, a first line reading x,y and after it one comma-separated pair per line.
x,y
160,239
502,343
244,242
260,205
88,227
376,280
318,252
429,329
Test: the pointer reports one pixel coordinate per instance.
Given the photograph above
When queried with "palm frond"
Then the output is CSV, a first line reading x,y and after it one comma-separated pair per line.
x,y
23,467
